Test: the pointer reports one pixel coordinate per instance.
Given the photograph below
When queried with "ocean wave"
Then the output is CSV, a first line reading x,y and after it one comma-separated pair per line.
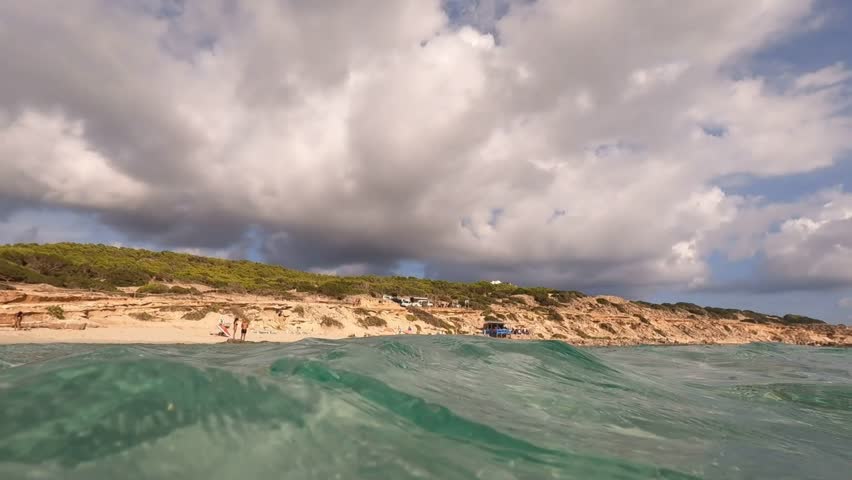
x,y
422,407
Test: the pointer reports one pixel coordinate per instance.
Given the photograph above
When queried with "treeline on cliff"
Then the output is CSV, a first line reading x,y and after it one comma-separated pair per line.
x,y
102,267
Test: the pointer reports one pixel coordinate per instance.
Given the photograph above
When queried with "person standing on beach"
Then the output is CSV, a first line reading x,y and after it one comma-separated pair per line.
x,y
244,329
234,331
19,318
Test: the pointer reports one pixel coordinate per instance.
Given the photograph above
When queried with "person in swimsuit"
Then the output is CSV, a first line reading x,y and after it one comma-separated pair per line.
x,y
19,318
234,331
245,329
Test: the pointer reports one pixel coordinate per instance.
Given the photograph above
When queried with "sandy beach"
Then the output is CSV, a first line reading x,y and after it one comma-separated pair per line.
x,y
179,332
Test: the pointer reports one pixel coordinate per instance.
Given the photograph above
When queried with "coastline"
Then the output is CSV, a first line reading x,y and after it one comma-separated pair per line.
x,y
178,336
128,318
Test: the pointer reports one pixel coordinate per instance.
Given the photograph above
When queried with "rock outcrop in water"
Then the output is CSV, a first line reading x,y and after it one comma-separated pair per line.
x,y
126,316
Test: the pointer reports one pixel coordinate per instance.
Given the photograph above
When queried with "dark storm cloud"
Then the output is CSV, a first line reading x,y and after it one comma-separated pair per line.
x,y
314,251
175,230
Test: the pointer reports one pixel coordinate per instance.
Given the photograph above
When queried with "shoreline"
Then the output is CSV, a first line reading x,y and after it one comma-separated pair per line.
x,y
58,315
174,335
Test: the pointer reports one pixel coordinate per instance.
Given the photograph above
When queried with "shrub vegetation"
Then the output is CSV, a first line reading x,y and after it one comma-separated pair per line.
x,y
430,319
102,267
201,313
154,288
144,316
56,312
329,322
372,321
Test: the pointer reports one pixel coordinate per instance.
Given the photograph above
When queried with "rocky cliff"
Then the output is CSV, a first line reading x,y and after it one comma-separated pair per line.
x,y
584,320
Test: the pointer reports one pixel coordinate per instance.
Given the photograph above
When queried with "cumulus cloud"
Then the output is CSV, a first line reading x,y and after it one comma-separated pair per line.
x,y
800,245
567,143
47,158
813,250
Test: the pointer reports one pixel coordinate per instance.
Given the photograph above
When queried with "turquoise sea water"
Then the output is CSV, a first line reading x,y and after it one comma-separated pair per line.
x,y
424,407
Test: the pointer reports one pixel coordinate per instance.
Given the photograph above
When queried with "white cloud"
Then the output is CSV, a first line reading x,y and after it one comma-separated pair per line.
x,y
816,248
46,157
825,77
800,245
567,145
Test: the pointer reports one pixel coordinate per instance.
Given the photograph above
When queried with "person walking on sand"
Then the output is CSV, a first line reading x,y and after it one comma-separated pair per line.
x,y
244,329
19,318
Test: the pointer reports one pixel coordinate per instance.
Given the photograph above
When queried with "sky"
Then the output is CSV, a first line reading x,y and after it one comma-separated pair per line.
x,y
658,150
